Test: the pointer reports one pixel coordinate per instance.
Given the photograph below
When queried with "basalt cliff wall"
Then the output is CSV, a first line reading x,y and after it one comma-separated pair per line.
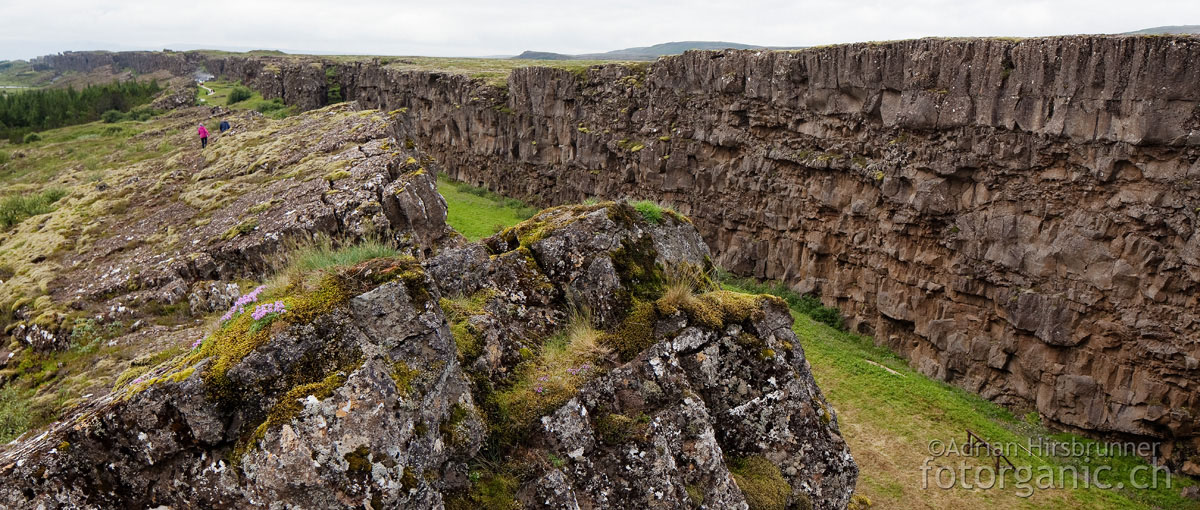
x,y
1016,217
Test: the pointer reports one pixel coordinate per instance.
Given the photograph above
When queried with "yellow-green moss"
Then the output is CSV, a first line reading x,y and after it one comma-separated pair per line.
x,y
458,312
859,502
260,207
337,175
761,482
181,375
718,308
239,229
408,480
615,428
403,375
635,333
491,490
695,495
546,222
130,374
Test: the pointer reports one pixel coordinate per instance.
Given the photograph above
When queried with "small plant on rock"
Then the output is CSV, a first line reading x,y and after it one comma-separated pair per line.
x,y
649,210
556,372
239,306
265,313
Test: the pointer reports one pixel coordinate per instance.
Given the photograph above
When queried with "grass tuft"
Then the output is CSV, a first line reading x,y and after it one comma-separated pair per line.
x,y
761,482
554,375
651,211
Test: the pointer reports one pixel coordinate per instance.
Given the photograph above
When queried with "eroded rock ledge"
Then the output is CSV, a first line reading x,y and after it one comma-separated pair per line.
x,y
405,384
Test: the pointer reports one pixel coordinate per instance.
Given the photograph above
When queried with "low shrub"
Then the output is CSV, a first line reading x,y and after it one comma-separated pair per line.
x,y
239,94
15,208
112,116
14,413
269,106
31,137
141,113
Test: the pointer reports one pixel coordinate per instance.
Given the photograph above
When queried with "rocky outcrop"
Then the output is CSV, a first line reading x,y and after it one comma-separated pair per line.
x,y
400,384
227,214
1013,216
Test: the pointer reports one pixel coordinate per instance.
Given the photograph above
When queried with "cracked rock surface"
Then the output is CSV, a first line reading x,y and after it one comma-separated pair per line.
x,y
376,403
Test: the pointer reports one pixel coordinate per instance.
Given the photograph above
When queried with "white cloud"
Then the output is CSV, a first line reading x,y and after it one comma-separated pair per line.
x,y
476,27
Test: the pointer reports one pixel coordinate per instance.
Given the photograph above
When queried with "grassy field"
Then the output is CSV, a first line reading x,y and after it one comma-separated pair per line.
x,y
478,213
889,414
19,73
221,90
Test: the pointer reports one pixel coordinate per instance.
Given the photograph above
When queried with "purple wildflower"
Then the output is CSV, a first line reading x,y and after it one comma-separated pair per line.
x,y
263,310
197,342
239,306
539,389
544,378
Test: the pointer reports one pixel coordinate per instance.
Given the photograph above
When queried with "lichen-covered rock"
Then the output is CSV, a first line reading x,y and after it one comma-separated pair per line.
x,y
402,384
663,430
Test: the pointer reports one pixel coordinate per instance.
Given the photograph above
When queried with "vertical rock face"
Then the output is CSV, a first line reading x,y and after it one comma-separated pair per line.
x,y
388,394
1016,217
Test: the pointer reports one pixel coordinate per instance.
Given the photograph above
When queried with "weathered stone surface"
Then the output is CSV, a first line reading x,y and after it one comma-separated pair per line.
x,y
375,403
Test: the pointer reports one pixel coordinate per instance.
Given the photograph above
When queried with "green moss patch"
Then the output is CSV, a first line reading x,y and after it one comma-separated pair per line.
x,y
635,333
403,376
458,313
491,489
635,264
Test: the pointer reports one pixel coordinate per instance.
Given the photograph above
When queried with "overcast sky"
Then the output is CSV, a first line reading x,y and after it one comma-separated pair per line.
x,y
30,28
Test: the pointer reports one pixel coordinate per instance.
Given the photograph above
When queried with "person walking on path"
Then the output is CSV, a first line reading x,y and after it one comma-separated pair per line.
x,y
203,136
224,125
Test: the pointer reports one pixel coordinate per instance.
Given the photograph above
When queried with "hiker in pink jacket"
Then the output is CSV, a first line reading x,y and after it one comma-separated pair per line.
x,y
203,136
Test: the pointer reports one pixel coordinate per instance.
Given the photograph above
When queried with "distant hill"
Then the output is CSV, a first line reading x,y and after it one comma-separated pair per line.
x,y
647,52
1172,29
